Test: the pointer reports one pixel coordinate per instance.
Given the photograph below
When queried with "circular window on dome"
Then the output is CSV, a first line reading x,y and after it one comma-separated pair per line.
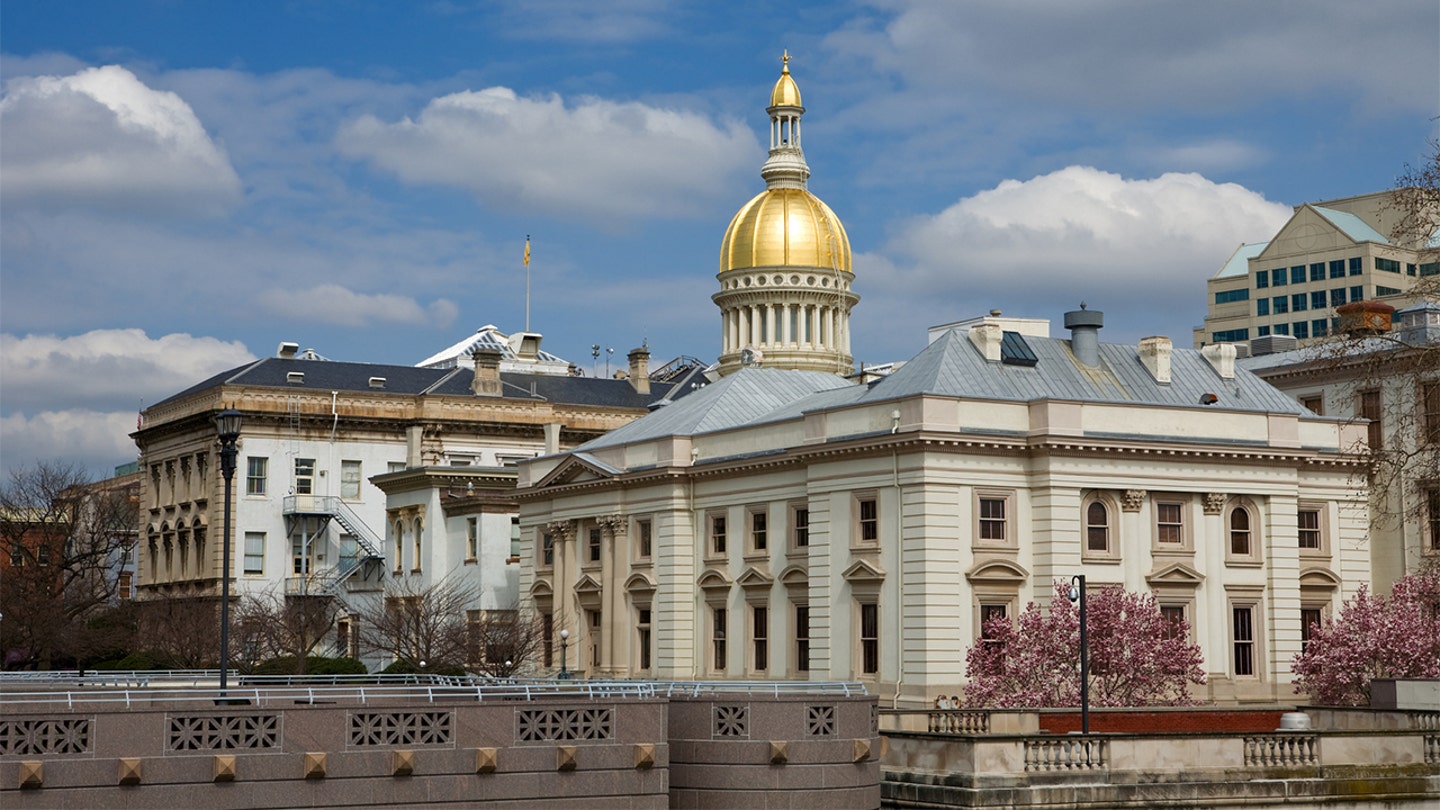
x,y
779,279
825,283
760,281
810,280
794,279
747,281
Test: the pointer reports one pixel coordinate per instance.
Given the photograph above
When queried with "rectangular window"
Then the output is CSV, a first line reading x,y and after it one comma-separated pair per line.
x,y
597,621
1262,306
869,520
990,612
800,520
1170,523
1317,299
1298,302
547,550
1297,274
642,637
802,638
992,519
869,638
717,639
1302,330
1357,266
255,472
717,534
1278,277
1174,616
1227,296
472,538
515,538
547,638
643,538
1308,528
350,480
1281,304
1310,619
1337,268
1357,293
759,536
1244,640
1337,297
1282,328
1230,335
760,637
1317,271
1315,404
1430,413
349,551
1388,265
1431,496
1319,327
1262,331
1262,280
1430,269
304,476
254,553
1370,408
594,545
1386,290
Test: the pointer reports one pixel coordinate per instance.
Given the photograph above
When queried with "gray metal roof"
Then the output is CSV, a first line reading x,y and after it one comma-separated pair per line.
x,y
1239,262
1351,225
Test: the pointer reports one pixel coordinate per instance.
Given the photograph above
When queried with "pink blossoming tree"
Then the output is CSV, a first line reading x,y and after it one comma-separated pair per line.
x,y
1138,657
1373,637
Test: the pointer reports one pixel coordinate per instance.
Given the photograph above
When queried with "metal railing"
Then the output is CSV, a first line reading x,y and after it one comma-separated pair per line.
x,y
697,688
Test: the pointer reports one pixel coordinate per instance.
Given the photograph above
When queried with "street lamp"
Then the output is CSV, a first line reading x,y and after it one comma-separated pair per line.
x,y
227,425
1077,594
564,637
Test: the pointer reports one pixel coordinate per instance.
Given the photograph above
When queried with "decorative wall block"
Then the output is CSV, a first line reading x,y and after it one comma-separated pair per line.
x,y
315,764
1131,499
32,774
565,758
223,768
402,763
820,721
1215,502
645,756
486,760
862,750
779,752
129,770
33,737
542,725
732,721
224,732
401,728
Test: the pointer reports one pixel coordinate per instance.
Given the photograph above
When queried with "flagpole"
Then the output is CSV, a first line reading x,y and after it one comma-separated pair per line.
x,y
527,282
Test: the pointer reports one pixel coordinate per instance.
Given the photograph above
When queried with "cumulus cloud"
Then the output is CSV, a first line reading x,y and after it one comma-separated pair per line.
x,y
598,159
107,369
102,138
98,441
333,304
1038,247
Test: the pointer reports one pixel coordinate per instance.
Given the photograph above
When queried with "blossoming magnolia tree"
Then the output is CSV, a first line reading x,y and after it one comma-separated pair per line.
x,y
1138,657
1373,637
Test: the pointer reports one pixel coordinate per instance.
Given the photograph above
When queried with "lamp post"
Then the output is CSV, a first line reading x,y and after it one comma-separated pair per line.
x,y
227,425
564,637
1077,594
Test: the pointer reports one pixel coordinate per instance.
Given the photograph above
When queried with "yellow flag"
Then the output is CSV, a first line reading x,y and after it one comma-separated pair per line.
x,y
527,251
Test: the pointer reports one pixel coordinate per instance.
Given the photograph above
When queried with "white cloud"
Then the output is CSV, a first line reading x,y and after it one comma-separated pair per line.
x,y
1139,248
604,160
102,138
95,440
333,304
106,370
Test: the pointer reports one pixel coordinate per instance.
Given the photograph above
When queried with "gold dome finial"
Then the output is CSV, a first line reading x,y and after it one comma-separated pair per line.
x,y
785,61
786,92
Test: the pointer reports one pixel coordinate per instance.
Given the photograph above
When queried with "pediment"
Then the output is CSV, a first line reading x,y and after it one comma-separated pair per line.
x,y
639,582
753,577
862,571
541,589
713,579
587,584
1319,577
197,522
1306,232
795,577
1176,574
998,572
575,469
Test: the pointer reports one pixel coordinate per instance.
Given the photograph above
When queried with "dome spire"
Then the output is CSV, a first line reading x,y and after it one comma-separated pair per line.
x,y
786,167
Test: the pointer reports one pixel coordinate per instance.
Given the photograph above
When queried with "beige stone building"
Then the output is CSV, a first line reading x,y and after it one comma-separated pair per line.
x,y
1328,254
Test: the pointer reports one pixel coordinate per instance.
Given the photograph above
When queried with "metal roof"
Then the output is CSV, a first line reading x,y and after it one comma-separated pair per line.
x,y
1239,262
1351,225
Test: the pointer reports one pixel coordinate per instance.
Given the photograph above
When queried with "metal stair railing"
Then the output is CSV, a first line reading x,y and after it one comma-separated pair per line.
x,y
367,542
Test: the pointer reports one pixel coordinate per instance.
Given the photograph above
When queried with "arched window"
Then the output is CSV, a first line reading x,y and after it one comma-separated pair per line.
x,y
1097,527
419,528
399,545
1240,541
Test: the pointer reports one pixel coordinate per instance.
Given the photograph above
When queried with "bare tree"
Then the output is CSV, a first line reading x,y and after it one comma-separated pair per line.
x,y
421,625
504,643
266,626
61,544
180,632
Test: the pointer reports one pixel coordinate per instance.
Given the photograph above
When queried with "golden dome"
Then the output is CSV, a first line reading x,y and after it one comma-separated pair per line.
x,y
785,227
786,92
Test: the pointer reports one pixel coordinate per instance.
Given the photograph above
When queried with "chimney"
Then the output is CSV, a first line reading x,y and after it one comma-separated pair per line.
x,y
1155,354
640,370
987,338
1222,357
552,438
487,372
1084,327
1365,317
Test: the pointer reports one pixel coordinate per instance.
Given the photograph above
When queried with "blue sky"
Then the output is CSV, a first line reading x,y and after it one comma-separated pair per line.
x,y
183,185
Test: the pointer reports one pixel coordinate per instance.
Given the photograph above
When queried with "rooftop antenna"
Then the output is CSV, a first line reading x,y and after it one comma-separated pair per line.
x,y
527,282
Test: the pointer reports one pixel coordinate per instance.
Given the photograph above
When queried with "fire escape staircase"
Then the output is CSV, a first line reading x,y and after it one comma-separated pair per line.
x,y
331,581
